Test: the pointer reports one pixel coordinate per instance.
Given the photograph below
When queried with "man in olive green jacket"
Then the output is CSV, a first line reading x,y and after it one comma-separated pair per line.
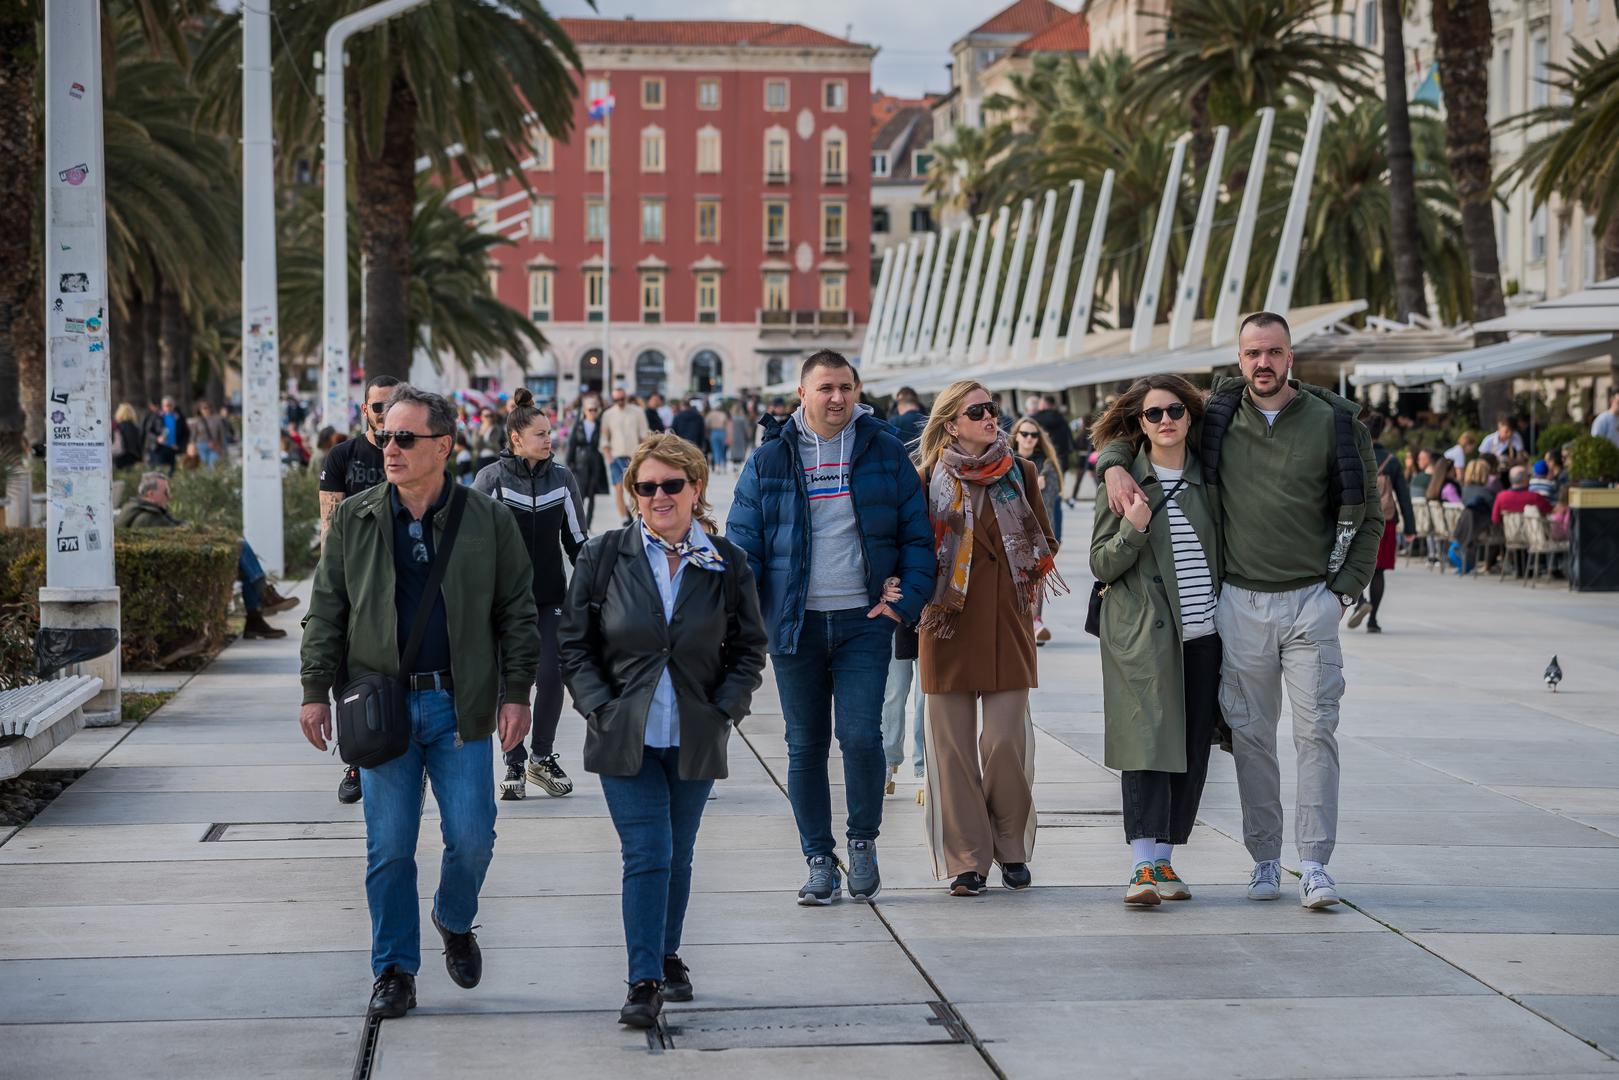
x,y
1295,561
471,676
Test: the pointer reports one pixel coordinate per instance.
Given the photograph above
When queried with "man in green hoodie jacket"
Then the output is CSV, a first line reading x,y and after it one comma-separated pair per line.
x,y
1297,555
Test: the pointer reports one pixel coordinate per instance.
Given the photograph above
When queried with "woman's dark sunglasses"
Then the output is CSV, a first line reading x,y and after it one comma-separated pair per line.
x,y
976,412
1027,434
1155,414
646,488
405,439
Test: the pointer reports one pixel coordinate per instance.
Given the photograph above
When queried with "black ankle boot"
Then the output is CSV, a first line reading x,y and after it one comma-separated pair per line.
x,y
642,1007
462,957
676,979
392,995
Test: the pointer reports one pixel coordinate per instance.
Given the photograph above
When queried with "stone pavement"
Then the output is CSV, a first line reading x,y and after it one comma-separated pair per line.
x,y
193,906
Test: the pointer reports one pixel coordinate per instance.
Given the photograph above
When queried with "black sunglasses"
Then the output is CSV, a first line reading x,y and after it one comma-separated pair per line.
x,y
1155,414
646,488
976,412
418,550
1027,434
378,407
405,439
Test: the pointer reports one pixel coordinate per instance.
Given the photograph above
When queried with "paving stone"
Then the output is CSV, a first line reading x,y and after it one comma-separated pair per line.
x,y
1557,868
1478,829
1500,910
1567,800
1595,1019
1580,964
306,1049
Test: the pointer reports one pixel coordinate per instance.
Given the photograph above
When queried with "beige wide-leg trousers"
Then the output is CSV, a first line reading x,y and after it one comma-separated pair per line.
x,y
980,784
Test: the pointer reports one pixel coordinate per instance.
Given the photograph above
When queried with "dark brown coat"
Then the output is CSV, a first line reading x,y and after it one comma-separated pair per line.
x,y
993,647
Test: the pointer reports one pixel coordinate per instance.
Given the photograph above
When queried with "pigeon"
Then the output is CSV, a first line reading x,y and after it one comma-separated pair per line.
x,y
1554,675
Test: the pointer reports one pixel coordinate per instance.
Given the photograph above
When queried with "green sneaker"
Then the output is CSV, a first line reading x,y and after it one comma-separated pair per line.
x,y
1170,886
1143,888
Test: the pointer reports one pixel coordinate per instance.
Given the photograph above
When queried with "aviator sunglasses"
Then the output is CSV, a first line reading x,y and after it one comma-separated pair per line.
x,y
646,488
976,412
1155,414
405,439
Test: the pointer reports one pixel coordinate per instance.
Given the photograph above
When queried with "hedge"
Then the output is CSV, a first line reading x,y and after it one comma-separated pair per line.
x,y
176,590
212,498
1555,436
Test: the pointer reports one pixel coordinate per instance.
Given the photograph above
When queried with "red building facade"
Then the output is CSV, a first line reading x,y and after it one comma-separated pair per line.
x,y
729,183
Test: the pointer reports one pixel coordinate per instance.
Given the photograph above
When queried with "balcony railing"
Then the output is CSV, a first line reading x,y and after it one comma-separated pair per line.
x,y
834,245
775,177
837,177
801,321
775,243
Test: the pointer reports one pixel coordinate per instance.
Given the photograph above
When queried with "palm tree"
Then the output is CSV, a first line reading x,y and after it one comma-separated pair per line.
x,y
450,310
1222,60
1412,296
461,82
958,179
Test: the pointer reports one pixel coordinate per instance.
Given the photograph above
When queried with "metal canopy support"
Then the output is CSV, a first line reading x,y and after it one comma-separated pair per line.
x,y
969,293
913,321
952,292
1051,324
992,278
868,346
1153,278
894,332
1280,295
1023,334
1002,336
1079,321
1180,320
930,308
1242,241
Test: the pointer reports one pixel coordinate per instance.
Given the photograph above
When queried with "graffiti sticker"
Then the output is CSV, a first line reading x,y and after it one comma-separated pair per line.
x,y
75,174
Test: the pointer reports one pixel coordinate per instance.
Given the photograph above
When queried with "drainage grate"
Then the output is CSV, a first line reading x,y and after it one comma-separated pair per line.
x,y
237,832
367,1055
845,1025
1079,819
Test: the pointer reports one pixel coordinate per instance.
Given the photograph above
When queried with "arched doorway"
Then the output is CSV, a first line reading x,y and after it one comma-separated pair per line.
x,y
591,373
707,372
775,368
650,373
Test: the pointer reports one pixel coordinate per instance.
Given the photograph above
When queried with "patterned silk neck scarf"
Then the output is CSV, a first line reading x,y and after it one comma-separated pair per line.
x,y
692,554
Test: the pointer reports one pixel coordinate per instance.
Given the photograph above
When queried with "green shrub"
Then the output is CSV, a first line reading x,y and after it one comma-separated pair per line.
x,y
176,588
1594,458
212,498
1553,436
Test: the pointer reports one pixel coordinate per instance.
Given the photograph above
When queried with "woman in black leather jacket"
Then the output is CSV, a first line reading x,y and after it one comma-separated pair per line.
x,y
660,695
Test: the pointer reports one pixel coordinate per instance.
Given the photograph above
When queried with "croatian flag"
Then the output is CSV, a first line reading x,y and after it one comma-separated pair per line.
x,y
601,107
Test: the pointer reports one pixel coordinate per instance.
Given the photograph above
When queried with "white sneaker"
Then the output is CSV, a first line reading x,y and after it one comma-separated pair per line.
x,y
1317,890
1265,883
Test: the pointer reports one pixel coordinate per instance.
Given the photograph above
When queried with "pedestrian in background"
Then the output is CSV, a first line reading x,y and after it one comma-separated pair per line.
x,y
660,696
586,458
1161,562
623,426
718,423
994,561
689,424
833,520
209,431
741,435
127,442
544,499
908,418
1030,442
470,677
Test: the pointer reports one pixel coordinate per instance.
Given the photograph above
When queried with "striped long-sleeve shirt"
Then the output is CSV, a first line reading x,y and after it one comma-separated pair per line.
x,y
1192,576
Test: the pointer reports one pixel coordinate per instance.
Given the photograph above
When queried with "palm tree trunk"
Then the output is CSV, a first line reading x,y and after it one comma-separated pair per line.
x,y
386,187
1608,260
1408,285
175,365
151,336
19,173
1465,38
120,339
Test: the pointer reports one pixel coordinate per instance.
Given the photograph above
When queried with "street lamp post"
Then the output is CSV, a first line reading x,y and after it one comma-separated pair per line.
x,y
335,315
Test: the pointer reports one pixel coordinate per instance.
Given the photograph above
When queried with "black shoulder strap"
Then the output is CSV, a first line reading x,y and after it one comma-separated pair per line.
x,y
604,570
1217,416
435,578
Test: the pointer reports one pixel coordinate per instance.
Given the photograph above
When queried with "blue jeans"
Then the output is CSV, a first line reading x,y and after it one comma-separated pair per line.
x,y
716,448
900,674
656,814
463,780
249,573
842,661
209,456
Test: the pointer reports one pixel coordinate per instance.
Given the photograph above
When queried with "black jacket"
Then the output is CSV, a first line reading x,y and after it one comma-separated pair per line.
x,y
585,458
612,660
545,501
689,425
1056,428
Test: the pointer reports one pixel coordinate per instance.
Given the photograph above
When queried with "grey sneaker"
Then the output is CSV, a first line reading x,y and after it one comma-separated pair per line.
x,y
864,880
1317,890
823,884
1265,883
549,776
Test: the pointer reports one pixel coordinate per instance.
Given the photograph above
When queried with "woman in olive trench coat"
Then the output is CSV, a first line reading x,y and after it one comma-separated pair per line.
x,y
1159,686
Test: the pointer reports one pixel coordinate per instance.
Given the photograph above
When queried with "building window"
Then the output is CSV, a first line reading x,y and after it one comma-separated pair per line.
x,y
1593,11
652,150
775,290
775,95
775,225
483,213
540,219
921,162
879,165
542,146
595,219
595,149
834,238
835,95
596,89
652,219
879,219
650,374
1539,59
1503,52
1565,254
1537,235
833,157
776,156
708,150
708,221
652,92
494,280
595,296
708,93
707,372
652,296
1368,23
834,293
921,219
1590,246
539,294
708,297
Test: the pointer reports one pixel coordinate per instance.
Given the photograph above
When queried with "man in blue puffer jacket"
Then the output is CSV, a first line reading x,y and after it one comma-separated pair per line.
x,y
831,513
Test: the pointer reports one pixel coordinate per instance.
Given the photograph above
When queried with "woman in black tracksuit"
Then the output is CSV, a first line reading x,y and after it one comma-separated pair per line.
x,y
541,493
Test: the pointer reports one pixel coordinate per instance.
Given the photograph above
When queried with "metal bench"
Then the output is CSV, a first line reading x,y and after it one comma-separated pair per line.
x,y
36,719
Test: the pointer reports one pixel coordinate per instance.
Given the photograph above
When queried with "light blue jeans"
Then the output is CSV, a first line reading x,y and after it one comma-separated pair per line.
x,y
463,779
900,675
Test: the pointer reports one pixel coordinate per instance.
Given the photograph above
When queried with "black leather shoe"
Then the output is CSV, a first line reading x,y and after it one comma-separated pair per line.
x,y
348,791
392,995
676,979
462,957
642,1007
1016,875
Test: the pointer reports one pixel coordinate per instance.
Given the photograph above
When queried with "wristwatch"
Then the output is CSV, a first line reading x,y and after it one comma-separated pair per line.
x,y
1346,600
